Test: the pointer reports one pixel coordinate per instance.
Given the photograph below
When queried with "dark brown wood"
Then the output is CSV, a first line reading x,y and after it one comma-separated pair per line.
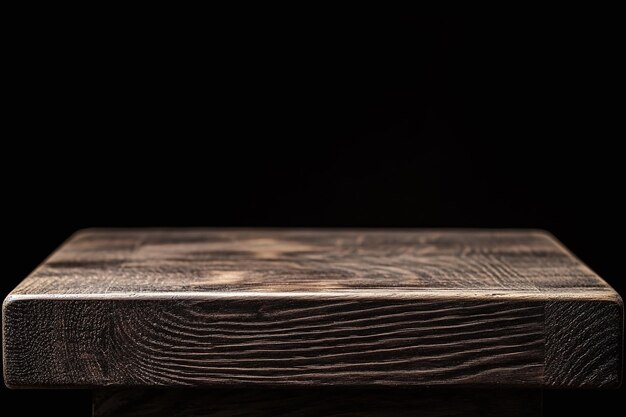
x,y
279,342
303,307
315,403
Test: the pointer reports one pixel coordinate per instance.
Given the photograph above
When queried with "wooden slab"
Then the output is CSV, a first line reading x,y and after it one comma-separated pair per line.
x,y
132,402
205,307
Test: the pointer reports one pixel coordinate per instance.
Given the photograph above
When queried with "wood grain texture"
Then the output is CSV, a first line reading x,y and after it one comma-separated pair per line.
x,y
277,342
303,307
315,403
127,262
582,339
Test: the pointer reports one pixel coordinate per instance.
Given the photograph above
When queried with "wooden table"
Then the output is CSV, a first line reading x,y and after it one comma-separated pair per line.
x,y
313,322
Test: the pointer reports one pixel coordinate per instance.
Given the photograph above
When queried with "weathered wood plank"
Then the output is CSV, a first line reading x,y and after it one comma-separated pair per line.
x,y
302,307
315,403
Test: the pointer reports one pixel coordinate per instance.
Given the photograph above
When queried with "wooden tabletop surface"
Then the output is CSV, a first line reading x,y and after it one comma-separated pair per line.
x,y
206,307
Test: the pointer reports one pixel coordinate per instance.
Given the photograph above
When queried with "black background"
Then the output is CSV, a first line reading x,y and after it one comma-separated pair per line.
x,y
426,122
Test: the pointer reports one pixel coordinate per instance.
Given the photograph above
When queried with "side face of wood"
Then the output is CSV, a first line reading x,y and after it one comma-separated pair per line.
x,y
273,342
584,344
316,402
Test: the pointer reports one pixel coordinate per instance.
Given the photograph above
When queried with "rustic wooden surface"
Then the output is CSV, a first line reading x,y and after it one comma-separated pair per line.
x,y
316,403
304,307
